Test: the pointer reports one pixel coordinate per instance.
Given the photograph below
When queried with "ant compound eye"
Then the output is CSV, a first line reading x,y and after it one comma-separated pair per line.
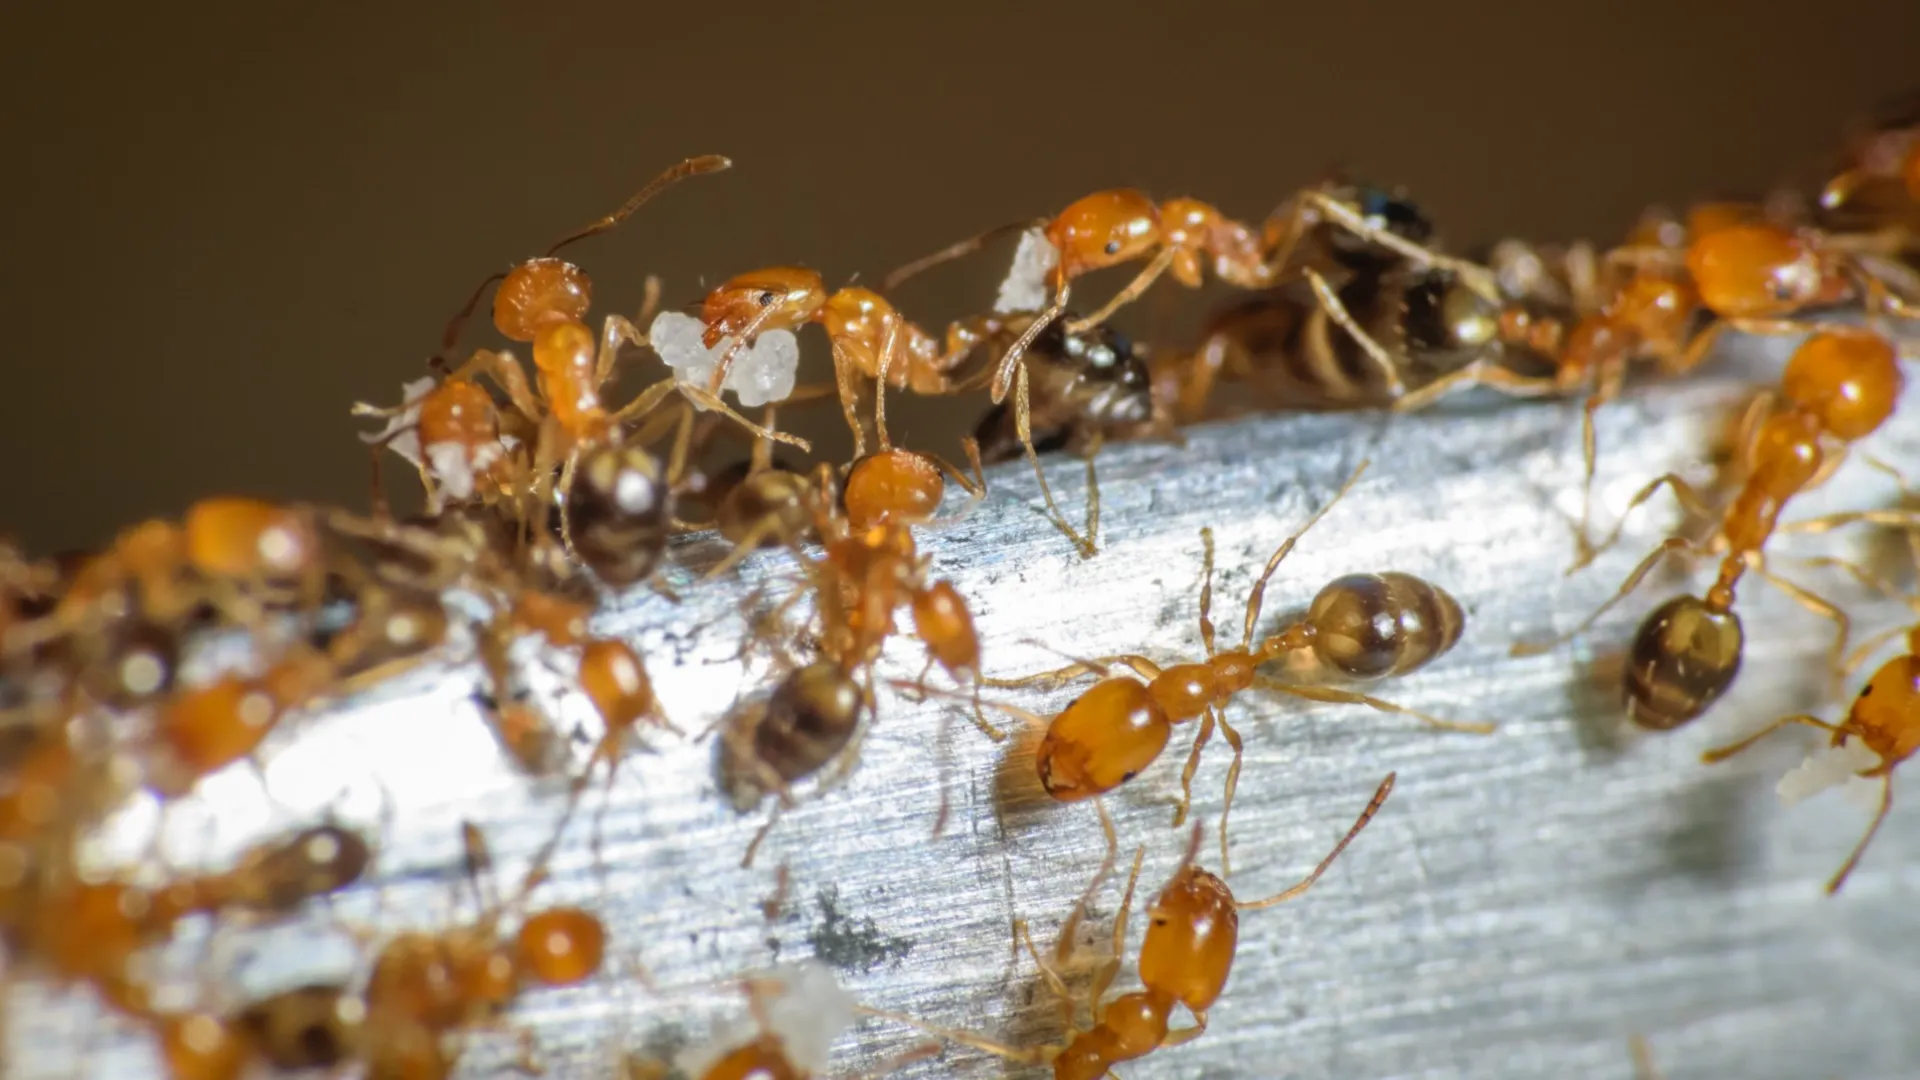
x,y
1113,247
766,298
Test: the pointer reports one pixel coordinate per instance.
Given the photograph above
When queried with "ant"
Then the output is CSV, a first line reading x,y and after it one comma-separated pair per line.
x,y
1882,727
1427,326
1359,627
1839,386
543,302
809,721
1193,932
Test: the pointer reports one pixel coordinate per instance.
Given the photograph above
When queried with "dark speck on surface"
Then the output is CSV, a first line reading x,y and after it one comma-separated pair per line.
x,y
850,944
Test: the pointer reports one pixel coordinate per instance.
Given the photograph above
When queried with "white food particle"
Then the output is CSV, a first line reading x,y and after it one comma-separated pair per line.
x,y
1025,288
806,1010
1829,766
451,468
762,371
401,431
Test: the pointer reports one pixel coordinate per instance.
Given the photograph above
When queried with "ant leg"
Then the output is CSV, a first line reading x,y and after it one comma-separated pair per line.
x,y
1022,422
1055,982
1826,609
1010,360
1336,310
1643,1066
1200,740
1899,519
760,836
566,504
712,403
1373,807
1258,595
1233,783
1022,1056
1639,574
1127,295
1721,753
1688,496
1477,373
738,341
1339,696
899,1061
693,166
1103,978
888,346
844,372
645,402
1860,849
1206,593
1182,1036
1477,277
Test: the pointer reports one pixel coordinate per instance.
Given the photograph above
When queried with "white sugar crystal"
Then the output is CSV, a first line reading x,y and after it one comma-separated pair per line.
x,y
450,466
809,1014
1025,288
806,1010
765,371
401,432
1829,766
761,372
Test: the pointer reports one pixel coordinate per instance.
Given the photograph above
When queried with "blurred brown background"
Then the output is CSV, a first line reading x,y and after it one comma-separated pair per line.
x,y
223,227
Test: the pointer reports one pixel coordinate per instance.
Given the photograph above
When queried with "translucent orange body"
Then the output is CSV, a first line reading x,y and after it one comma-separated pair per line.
x,y
201,1046
564,354
1104,229
613,678
893,485
941,621
1102,740
1195,229
1758,270
240,538
439,982
761,1059
561,946
771,298
561,621
1886,715
858,320
538,292
459,411
1192,930
210,727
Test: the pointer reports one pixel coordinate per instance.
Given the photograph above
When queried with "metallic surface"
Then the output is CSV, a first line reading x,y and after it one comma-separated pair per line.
x,y
1526,902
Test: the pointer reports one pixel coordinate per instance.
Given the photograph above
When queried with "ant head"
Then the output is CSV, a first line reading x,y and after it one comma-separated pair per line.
x,y
1104,229
537,292
775,298
1760,270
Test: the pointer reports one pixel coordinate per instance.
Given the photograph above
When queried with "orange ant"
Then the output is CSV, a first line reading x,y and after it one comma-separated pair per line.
x,y
1193,932
1359,627
543,301
1106,228
1840,385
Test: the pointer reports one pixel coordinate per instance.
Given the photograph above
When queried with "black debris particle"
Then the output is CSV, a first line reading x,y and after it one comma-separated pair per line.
x,y
849,944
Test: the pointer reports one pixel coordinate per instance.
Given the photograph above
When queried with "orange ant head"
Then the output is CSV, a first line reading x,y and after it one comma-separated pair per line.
x,y
461,412
775,298
537,292
1886,715
1849,379
1758,270
1104,229
1192,930
893,485
234,537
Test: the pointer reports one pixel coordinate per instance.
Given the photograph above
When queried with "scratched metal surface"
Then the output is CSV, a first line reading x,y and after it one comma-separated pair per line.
x,y
1525,903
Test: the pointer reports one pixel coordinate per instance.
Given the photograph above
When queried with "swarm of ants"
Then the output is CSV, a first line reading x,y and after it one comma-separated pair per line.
x,y
544,495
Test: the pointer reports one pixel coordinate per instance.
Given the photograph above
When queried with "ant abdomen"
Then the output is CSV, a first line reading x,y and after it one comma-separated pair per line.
x,y
1369,626
1683,657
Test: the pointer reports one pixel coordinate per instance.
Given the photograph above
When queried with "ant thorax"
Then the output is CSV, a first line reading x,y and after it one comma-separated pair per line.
x,y
763,369
802,1006
1025,287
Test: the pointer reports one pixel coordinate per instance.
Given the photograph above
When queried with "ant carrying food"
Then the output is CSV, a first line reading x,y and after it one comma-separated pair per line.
x,y
1185,959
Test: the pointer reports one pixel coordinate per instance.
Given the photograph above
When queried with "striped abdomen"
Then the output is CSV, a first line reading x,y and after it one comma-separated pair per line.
x,y
1368,626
